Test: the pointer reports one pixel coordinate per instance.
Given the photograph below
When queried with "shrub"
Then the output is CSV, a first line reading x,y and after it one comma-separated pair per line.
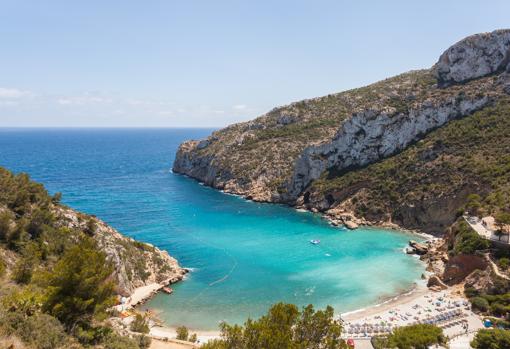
x,y
193,338
139,324
79,287
115,341
504,263
144,342
182,333
2,266
480,304
416,337
284,326
491,339
43,331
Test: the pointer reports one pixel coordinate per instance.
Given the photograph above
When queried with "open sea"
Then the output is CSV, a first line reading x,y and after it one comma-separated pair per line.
x,y
245,256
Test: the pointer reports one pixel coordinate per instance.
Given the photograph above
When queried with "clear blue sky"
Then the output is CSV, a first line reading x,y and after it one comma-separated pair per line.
x,y
211,63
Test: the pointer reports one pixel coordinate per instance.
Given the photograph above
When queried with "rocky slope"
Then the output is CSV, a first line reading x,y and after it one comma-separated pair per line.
x,y
283,155
136,264
35,230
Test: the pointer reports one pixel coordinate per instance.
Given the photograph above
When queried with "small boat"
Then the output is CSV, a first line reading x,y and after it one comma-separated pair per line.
x,y
315,242
167,290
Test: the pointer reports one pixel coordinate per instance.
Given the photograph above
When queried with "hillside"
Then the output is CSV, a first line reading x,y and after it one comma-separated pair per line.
x,y
65,268
365,150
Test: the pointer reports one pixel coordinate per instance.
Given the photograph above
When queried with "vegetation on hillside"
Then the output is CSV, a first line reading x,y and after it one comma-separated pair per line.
x,y
491,339
463,165
420,336
284,326
55,283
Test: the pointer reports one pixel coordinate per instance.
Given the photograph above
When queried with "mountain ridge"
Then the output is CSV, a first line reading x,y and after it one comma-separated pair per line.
x,y
276,157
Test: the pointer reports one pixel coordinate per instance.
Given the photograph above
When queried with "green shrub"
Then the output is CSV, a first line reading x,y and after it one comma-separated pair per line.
x,y
284,326
416,337
42,331
504,263
491,339
182,333
139,324
2,266
115,341
79,286
144,342
480,304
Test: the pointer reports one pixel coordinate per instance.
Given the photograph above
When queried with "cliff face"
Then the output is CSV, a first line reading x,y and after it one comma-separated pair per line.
x,y
279,156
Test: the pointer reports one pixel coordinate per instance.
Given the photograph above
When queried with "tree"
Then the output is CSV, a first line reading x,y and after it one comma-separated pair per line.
x,y
491,339
284,326
416,337
479,303
182,333
139,324
5,224
79,287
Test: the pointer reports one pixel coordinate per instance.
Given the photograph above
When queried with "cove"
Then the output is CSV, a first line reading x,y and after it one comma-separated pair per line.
x,y
245,256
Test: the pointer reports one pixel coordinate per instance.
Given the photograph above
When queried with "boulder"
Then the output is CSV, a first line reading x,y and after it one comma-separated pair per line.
x,y
435,283
351,225
473,57
418,248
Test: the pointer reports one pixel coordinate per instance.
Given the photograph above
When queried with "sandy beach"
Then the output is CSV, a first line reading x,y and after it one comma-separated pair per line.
x,y
447,309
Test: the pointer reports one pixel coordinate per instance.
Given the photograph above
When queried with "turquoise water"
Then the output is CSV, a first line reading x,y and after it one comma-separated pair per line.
x,y
245,256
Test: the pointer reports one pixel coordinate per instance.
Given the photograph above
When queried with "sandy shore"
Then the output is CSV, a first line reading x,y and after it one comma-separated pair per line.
x,y
417,307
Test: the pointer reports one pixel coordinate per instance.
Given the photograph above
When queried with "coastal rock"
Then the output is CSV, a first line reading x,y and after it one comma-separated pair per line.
x,y
481,281
435,282
136,264
475,56
298,153
417,248
351,225
461,266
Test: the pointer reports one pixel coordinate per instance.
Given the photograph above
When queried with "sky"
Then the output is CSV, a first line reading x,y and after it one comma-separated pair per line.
x,y
188,63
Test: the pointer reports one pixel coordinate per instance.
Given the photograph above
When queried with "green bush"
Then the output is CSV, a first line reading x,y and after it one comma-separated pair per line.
x,y
79,286
284,326
504,263
467,241
491,339
42,331
144,342
2,266
480,304
115,341
182,333
139,324
416,337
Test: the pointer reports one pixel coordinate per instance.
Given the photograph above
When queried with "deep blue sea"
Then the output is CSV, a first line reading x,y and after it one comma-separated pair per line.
x,y
245,256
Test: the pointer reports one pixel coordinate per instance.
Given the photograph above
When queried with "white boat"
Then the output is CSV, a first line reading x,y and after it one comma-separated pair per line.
x,y
315,242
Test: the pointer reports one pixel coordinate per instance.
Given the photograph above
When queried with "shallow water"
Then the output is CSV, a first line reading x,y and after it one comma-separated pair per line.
x,y
245,256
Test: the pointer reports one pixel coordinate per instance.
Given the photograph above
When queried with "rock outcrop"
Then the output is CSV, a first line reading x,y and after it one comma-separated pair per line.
x,y
475,56
417,248
372,135
136,264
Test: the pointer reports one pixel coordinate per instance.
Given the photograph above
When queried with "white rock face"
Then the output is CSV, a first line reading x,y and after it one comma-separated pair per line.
x,y
475,56
370,136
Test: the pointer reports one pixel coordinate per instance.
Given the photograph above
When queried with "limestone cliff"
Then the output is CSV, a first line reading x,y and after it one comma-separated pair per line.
x,y
136,263
279,156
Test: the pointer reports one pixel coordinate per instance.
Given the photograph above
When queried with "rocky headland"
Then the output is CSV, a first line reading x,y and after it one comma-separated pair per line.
x,y
388,154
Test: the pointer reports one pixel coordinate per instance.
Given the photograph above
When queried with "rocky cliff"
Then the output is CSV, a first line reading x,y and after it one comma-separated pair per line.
x,y
136,263
281,156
